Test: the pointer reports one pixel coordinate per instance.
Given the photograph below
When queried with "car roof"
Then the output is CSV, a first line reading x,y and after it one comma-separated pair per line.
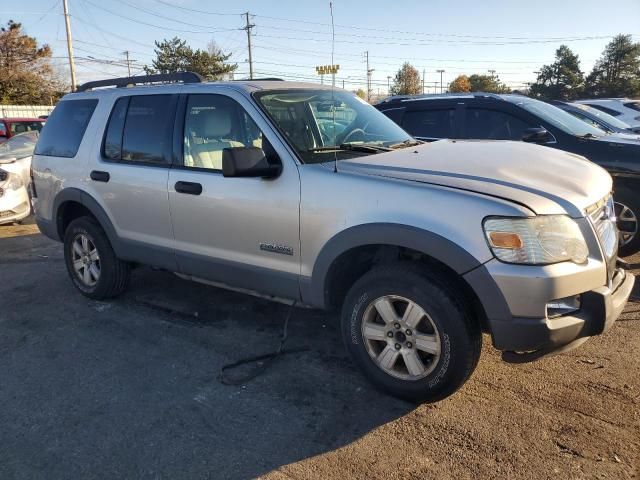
x,y
248,86
512,97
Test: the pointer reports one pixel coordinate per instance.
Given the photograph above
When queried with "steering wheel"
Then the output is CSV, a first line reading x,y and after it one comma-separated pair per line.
x,y
352,133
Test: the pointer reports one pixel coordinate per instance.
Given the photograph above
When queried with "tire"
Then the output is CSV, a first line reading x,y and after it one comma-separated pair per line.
x,y
627,206
446,327
113,274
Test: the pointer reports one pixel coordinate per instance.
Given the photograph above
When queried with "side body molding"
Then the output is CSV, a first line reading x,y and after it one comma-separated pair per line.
x,y
314,290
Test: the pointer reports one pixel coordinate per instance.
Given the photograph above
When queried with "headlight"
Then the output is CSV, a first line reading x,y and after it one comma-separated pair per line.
x,y
13,182
537,240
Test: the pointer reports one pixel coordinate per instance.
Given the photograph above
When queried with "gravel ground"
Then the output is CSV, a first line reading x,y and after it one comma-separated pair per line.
x,y
130,389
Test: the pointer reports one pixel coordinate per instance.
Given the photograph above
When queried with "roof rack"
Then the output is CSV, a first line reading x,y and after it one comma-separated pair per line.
x,y
428,96
184,77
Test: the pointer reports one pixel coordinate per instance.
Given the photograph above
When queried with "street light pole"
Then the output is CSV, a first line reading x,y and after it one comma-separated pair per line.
x,y
441,72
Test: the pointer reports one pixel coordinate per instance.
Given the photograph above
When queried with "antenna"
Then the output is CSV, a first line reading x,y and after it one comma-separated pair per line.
x,y
333,86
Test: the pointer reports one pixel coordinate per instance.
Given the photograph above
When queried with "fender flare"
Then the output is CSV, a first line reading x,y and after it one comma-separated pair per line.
x,y
314,290
78,196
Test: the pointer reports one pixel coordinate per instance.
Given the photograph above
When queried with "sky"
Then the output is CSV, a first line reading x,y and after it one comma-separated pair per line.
x,y
291,37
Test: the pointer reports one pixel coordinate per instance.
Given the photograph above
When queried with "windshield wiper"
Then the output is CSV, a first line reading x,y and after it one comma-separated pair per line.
x,y
354,147
588,135
409,142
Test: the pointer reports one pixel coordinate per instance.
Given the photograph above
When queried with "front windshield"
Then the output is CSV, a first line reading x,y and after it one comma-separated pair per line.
x,y
19,146
322,125
560,119
605,117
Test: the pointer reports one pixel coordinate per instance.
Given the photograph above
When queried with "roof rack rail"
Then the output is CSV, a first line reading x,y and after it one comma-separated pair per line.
x,y
434,96
184,77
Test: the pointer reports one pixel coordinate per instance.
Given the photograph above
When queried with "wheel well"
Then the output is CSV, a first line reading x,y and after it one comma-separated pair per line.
x,y
354,263
68,212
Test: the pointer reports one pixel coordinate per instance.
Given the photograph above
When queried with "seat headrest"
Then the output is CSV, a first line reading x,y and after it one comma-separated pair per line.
x,y
214,123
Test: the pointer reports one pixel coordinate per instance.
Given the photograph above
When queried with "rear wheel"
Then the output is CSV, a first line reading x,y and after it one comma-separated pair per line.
x,y
410,333
627,207
91,262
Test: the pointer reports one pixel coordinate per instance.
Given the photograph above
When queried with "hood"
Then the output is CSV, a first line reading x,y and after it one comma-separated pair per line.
x,y
546,180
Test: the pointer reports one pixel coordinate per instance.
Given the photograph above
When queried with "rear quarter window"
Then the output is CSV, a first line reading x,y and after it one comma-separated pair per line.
x,y
63,132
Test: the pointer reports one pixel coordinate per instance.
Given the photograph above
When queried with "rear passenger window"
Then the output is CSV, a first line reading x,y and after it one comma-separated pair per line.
x,y
494,125
429,123
65,127
139,129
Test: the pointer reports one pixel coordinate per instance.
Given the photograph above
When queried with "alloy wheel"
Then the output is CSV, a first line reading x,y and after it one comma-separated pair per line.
x,y
401,337
85,259
627,223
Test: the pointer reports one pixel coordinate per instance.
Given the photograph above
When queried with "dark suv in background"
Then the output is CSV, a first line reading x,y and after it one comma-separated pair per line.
x,y
489,116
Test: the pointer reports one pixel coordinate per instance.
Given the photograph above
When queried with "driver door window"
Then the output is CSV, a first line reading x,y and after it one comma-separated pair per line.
x,y
213,123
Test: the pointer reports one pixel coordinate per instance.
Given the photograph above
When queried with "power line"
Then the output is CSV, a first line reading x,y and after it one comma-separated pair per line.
x,y
149,12
141,22
197,11
436,37
419,43
285,48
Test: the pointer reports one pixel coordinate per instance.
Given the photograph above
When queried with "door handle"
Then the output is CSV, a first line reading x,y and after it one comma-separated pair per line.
x,y
98,176
190,188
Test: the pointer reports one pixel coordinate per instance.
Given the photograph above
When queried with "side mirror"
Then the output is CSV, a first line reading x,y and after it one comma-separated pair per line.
x,y
249,162
536,135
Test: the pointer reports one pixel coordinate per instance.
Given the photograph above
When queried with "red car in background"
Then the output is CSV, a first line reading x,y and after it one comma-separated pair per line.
x,y
13,126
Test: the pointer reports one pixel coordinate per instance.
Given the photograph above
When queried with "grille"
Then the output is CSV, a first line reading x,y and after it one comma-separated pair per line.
x,y
602,217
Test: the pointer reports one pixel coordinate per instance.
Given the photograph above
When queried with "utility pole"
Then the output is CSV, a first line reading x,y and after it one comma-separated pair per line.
x,y
424,74
435,88
248,28
369,72
440,72
72,65
126,52
388,84
343,84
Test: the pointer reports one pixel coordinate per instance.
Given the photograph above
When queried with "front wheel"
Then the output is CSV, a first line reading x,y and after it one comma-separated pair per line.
x,y
410,333
627,209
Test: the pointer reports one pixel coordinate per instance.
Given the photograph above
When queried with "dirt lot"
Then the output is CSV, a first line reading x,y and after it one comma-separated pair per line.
x,y
129,389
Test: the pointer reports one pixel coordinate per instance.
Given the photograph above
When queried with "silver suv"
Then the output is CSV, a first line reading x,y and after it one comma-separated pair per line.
x,y
299,192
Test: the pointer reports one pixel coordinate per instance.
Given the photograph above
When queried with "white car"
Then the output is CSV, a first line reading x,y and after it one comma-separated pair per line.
x,y
16,153
625,109
14,198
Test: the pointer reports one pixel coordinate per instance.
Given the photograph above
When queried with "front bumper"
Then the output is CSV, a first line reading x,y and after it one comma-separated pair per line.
x,y
14,205
526,339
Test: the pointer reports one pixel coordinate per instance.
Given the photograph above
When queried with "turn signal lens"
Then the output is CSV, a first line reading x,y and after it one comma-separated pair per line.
x,y
505,240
